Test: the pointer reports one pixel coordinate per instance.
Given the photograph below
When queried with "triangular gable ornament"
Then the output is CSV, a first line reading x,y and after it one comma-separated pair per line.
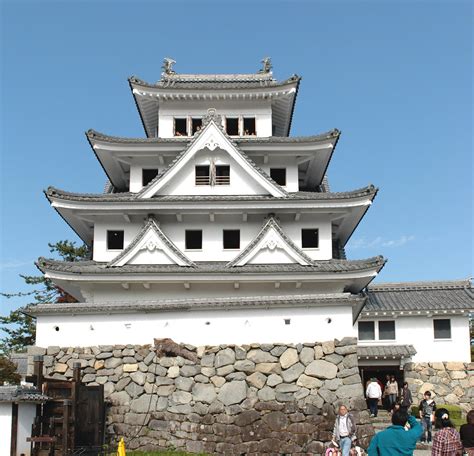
x,y
271,245
151,246
212,137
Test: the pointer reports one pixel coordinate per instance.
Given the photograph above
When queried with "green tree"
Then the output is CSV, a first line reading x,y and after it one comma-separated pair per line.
x,y
8,371
18,328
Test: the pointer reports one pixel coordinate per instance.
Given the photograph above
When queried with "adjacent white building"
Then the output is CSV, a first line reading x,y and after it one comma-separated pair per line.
x,y
218,227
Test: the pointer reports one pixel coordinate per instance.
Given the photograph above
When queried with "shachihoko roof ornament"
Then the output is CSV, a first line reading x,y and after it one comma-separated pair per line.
x,y
167,66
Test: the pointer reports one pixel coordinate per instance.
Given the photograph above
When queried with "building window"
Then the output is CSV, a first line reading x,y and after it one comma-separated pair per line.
x,y
148,175
193,239
278,175
442,329
231,239
196,125
232,126
249,126
366,330
310,238
222,175
203,175
114,239
387,330
181,127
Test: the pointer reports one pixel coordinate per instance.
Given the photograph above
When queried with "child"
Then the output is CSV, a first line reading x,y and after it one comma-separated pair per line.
x,y
426,411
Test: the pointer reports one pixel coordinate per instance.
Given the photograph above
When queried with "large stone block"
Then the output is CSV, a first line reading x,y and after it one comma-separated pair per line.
x,y
224,358
259,356
233,392
328,347
257,379
454,366
291,374
306,355
204,393
321,369
288,358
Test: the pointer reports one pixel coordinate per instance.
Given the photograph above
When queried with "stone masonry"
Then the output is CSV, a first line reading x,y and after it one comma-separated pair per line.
x,y
451,382
254,399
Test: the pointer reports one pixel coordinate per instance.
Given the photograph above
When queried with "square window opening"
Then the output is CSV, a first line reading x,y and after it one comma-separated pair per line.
x,y
231,239
366,330
193,239
148,175
232,126
222,174
442,329
196,125
114,239
387,330
249,126
278,175
310,238
180,127
202,175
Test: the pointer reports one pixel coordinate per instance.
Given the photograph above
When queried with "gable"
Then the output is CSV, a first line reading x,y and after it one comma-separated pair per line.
x,y
151,246
271,246
212,145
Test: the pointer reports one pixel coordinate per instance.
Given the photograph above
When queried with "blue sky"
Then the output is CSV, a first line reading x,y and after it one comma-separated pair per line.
x,y
395,77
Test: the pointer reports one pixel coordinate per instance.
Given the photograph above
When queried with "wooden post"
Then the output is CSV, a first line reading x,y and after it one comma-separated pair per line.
x,y
14,433
38,371
66,414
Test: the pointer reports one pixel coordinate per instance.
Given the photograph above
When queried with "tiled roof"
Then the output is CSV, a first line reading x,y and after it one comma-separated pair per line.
x,y
92,134
128,196
414,296
385,351
232,302
16,393
21,361
269,224
215,81
216,267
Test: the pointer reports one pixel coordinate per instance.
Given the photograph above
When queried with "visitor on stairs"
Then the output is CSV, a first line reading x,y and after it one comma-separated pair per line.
x,y
447,441
467,434
392,391
406,399
426,411
344,433
373,393
396,440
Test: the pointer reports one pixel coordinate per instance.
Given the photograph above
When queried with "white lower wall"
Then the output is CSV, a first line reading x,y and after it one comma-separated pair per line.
x,y
418,331
26,417
197,328
5,428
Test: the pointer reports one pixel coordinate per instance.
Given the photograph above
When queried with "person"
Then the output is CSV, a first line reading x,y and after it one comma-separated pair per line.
x,y
392,391
373,393
426,412
396,440
447,441
406,398
344,433
467,434
385,401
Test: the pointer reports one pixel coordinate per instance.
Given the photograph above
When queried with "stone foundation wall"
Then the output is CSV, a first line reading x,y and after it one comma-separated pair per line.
x,y
256,399
451,382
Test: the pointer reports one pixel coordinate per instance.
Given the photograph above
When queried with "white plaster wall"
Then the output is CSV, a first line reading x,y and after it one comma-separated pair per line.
x,y
198,328
418,331
212,242
26,417
289,163
260,110
5,428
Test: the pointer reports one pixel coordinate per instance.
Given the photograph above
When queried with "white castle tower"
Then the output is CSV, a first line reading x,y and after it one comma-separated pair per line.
x,y
218,227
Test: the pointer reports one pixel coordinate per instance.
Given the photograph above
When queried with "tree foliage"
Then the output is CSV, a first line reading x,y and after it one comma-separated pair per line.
x,y
8,371
18,328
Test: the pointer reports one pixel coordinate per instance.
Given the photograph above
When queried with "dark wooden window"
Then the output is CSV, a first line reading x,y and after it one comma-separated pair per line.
x,y
442,329
193,239
196,125
387,330
202,175
114,239
231,239
181,127
278,175
148,175
232,126
366,330
249,126
222,174
309,238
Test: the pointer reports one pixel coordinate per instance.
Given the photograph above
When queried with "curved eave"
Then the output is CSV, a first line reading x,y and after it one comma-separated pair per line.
x,y
283,95
224,303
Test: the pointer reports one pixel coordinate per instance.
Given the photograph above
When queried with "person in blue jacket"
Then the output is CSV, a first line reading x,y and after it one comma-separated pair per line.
x,y
396,440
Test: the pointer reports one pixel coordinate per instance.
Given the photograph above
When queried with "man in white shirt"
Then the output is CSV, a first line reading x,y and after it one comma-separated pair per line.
x,y
344,432
373,393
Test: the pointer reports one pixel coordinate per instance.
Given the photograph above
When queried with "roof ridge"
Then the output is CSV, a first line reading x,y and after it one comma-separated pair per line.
x,y
421,285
